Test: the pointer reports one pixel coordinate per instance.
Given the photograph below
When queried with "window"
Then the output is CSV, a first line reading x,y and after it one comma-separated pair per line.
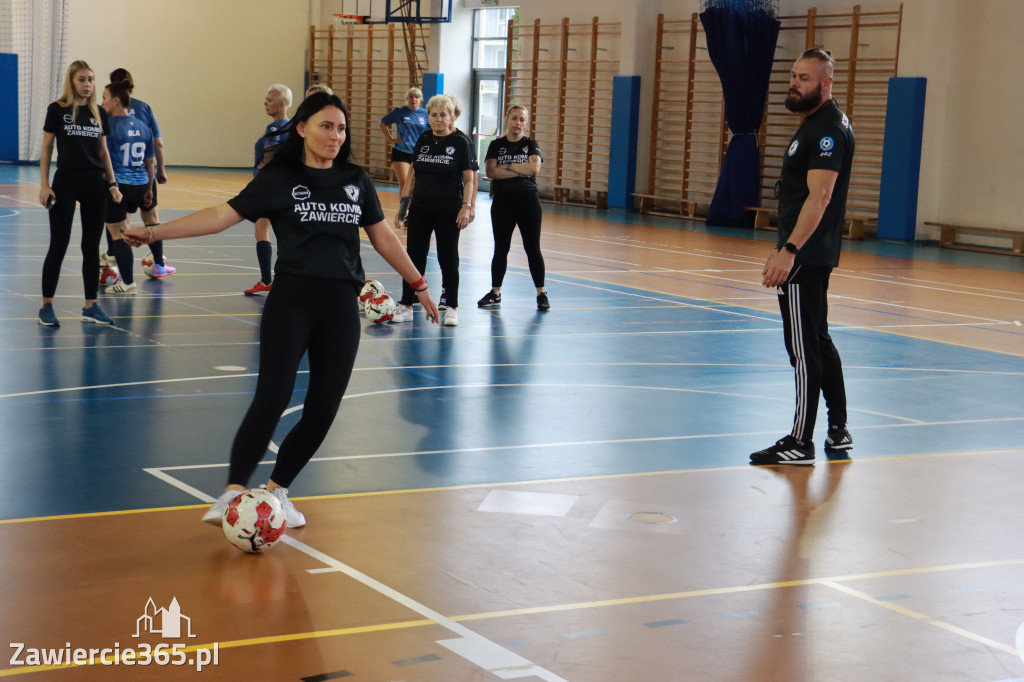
x,y
490,34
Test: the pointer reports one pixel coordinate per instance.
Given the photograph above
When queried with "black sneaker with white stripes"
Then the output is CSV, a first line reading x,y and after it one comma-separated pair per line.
x,y
490,300
786,451
838,438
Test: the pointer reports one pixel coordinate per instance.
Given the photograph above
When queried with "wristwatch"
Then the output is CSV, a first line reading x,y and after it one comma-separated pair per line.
x,y
791,247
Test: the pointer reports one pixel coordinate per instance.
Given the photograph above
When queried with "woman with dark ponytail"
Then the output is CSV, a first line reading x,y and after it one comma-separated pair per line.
x,y
316,201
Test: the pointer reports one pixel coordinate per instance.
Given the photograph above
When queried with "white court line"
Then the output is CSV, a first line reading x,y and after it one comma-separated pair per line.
x,y
914,308
928,285
881,278
20,201
578,443
747,260
674,303
404,368
942,289
470,645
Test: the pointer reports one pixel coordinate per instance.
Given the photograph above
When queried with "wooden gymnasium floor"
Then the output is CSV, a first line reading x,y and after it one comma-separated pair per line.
x,y
560,496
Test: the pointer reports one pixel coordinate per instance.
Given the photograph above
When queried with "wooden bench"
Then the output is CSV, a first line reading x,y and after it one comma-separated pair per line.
x,y
854,228
687,208
948,238
563,195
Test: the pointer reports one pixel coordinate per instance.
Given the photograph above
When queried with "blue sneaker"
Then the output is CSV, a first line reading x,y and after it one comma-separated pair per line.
x,y
47,317
163,270
95,314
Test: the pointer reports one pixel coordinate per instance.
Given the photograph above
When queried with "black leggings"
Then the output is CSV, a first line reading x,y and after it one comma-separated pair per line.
x,y
302,315
507,211
88,188
442,222
818,368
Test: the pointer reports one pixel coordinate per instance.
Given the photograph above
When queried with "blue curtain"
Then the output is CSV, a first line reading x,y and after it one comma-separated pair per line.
x,y
741,45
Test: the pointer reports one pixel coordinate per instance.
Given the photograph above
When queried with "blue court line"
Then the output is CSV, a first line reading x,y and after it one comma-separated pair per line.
x,y
416,660
893,597
744,614
665,623
821,605
583,634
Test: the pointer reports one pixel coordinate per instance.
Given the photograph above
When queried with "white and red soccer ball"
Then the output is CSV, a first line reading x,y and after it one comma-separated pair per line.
x,y
254,521
380,309
370,289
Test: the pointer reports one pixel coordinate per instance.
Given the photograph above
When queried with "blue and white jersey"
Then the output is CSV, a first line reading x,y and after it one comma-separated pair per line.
x,y
141,111
411,123
130,143
269,140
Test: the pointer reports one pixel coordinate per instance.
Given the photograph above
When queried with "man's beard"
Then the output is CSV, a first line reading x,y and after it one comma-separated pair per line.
x,y
799,104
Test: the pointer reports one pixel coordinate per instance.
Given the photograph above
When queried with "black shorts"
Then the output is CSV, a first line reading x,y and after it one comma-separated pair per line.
x,y
132,199
404,157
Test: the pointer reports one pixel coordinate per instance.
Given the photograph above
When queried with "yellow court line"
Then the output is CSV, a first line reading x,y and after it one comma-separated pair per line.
x,y
832,582
921,617
723,304
255,641
505,484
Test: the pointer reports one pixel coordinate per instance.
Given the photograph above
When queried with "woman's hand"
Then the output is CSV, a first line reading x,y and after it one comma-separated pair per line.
x,y
465,217
427,301
45,193
137,235
116,194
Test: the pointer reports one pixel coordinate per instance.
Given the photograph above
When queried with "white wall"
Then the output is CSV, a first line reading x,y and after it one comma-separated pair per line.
x,y
203,65
971,51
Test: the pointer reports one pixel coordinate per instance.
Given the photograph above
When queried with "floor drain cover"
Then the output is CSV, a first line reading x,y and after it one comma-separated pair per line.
x,y
651,517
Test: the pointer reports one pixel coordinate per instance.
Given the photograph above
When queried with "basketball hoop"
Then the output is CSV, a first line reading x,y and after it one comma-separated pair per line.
x,y
344,23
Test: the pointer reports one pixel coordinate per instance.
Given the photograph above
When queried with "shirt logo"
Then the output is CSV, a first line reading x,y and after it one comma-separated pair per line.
x,y
92,120
300,192
501,151
792,147
450,151
826,144
352,191
68,119
424,149
846,121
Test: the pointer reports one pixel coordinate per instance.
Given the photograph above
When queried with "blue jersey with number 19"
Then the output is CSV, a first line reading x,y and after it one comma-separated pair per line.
x,y
130,143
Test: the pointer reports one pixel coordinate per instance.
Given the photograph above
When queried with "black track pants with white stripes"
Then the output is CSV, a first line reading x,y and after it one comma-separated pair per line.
x,y
815,360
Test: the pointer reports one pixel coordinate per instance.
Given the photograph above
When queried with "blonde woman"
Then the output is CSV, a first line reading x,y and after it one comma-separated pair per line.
x,y
318,87
512,164
410,122
84,176
440,188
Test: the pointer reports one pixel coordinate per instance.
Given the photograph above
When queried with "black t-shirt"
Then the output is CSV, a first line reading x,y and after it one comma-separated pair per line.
x,y
823,141
520,151
316,215
473,163
78,139
439,166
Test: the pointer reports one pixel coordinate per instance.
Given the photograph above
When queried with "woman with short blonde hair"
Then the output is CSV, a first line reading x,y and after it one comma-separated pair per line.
x,y
439,188
410,122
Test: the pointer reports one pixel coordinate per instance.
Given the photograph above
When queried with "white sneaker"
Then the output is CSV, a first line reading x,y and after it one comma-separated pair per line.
x,y
215,513
122,288
451,317
292,515
403,314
